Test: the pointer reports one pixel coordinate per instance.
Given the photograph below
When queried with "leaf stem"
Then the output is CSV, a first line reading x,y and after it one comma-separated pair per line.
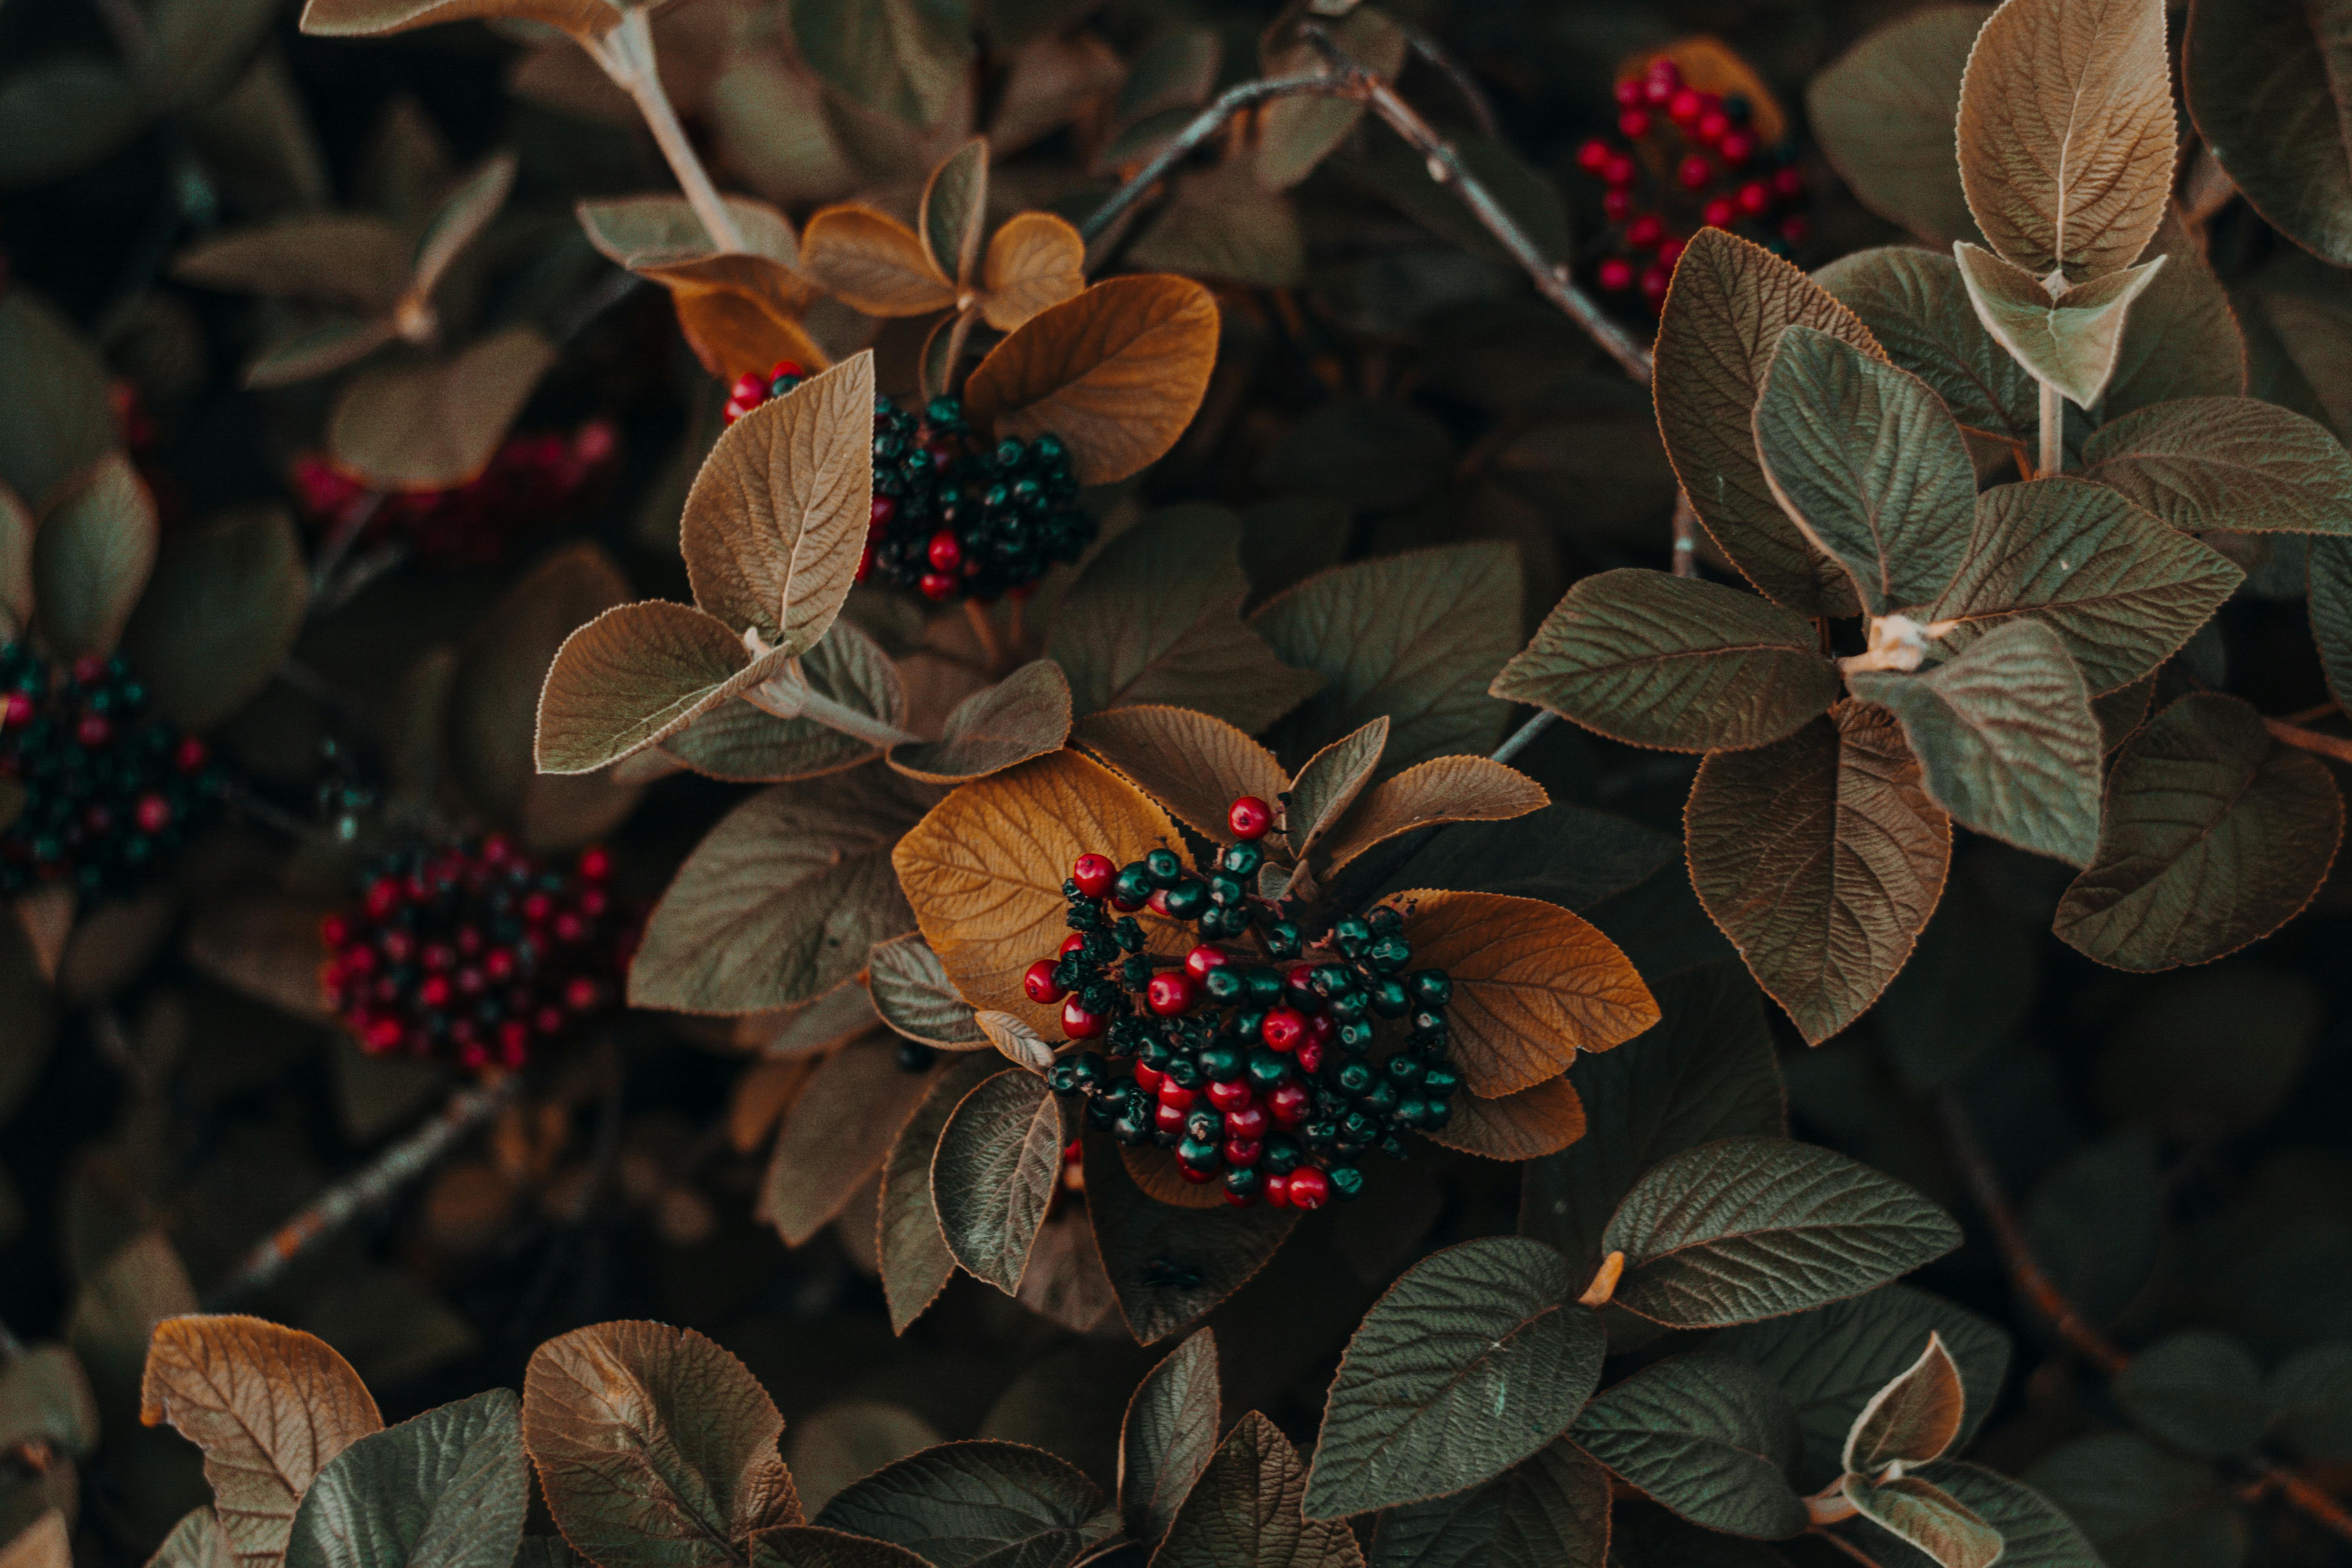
x,y
2053,433
1686,535
626,53
1544,720
992,647
1198,130
790,696
2309,740
1464,85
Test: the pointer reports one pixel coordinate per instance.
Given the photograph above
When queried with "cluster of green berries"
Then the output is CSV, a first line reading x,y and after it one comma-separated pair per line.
x,y
954,518
477,956
1262,1074
110,791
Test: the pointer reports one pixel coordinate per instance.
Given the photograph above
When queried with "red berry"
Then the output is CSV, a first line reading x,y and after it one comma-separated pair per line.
x,y
880,514
1669,252
1149,1078
1248,1124
1629,95
1094,875
596,862
1713,126
1203,959
1288,1104
1722,213
87,668
1754,198
433,992
93,732
1282,1029
1079,1023
1196,1174
936,584
1633,123
945,551
747,389
1658,91
1594,156
1309,1188
189,756
1276,1192
1169,994
1794,227
784,367
1231,1096
1617,204
1616,275
1310,1054
1654,283
1157,902
18,710
1737,147
1685,106
1249,817
1243,1150
1173,1093
1646,231
1695,172
1038,983
1070,944
382,1035
154,814
1664,69
1168,1118
1620,171
1789,184
1074,1151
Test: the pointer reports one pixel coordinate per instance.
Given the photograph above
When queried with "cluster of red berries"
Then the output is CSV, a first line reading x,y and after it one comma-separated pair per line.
x,y
952,518
110,791
477,956
1721,176
533,483
1261,1072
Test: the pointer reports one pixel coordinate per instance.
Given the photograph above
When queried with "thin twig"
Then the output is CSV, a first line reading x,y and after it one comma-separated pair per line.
x,y
2309,740
2054,434
1200,129
626,53
338,545
368,1188
1463,83
1543,720
2306,1496
2305,716
1686,535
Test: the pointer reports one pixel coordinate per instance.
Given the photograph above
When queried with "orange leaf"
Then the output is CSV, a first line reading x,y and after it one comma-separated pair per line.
x,y
735,334
1155,1170
1542,1120
1443,789
1194,764
1117,374
1036,260
1533,985
874,263
984,871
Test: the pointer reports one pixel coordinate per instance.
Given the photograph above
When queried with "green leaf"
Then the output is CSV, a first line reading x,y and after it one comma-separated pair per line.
x,y
1244,1510
2006,738
1966,989
781,900
1549,1510
743,744
1329,782
915,1264
1169,1435
2097,1221
998,1160
446,1490
2214,835
2310,1397
1025,715
196,1542
2034,1533
2331,612
1299,131
1915,305
1706,1437
978,1505
2263,80
221,614
2200,1390
1753,1228
1473,1361
435,423
1923,1515
1867,462
459,220
1821,855
1832,1361
2181,337
62,115
1884,112
1171,1265
1912,1420
954,209
1415,636
2125,591
2066,133
1723,318
906,58
2226,463
777,516
1155,617
812,1546
2069,340
1707,1071
836,1134
2141,1506
1673,662
93,555
915,997
46,1398
656,1448
55,420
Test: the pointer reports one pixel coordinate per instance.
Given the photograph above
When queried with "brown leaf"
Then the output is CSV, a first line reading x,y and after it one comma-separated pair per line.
x,y
1064,1282
1194,764
16,523
776,519
268,1405
984,871
1821,855
1025,715
1446,789
1327,783
372,18
656,1448
1541,1120
44,1543
1036,260
836,1135
916,1263
431,425
1156,1172
735,334
266,945
1115,373
1014,1040
873,263
350,259
633,676
1533,985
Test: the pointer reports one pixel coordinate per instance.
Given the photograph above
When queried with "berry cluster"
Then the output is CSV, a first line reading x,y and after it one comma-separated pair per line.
x,y
952,518
110,790
1264,1072
532,483
1722,177
472,955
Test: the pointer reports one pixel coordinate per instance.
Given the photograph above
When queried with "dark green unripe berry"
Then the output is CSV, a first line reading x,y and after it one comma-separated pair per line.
x,y
1436,1114
1356,1037
1350,1006
1353,1078
1008,452
1428,1024
1404,1067
1133,1130
1385,921
1281,1153
1091,1070
1188,899
1378,1100
1133,886
1413,1111
1199,1153
1242,859
1352,936
1439,1082
1225,983
1389,999
1391,1145
1204,1123
1128,935
1226,893
1282,940
1163,867
1358,1128
1430,987
1331,980
1222,1061
1268,1068
1155,1053
1184,1072
1320,1134
1390,954
1244,1180
1062,1078
1346,1180
1213,923
1246,1025
1265,986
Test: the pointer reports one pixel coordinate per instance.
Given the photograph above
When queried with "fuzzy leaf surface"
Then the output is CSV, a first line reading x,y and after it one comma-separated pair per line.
x,y
1549,1510
915,997
1169,1435
636,676
1244,1510
1915,1418
2232,463
445,1489
915,1264
1540,1120
2071,341
1329,782
999,1160
1928,1518
1705,1436
1194,764
978,1505
1443,789
1915,305
1025,715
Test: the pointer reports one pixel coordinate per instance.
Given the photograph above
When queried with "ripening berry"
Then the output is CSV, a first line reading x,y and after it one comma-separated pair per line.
x,y
1249,817
1737,147
1616,275
1170,993
1616,204
1594,156
1721,213
935,586
1646,231
1695,172
1094,875
1203,959
1039,986
1633,123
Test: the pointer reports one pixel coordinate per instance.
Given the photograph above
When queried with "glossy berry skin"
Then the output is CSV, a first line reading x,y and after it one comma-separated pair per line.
x,y
1171,992
1616,275
1284,1028
1309,1188
1080,1024
1093,874
1249,817
1203,959
1039,986
1694,172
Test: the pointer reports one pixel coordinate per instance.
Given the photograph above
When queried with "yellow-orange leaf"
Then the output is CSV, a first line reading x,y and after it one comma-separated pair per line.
x,y
1533,985
984,871
1542,1120
736,334
1156,1172
1194,764
1035,261
874,263
268,1405
1116,373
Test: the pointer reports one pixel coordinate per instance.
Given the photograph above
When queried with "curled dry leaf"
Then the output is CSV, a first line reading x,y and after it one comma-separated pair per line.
x,y
1911,1420
1115,373
270,1406
1533,985
1446,789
